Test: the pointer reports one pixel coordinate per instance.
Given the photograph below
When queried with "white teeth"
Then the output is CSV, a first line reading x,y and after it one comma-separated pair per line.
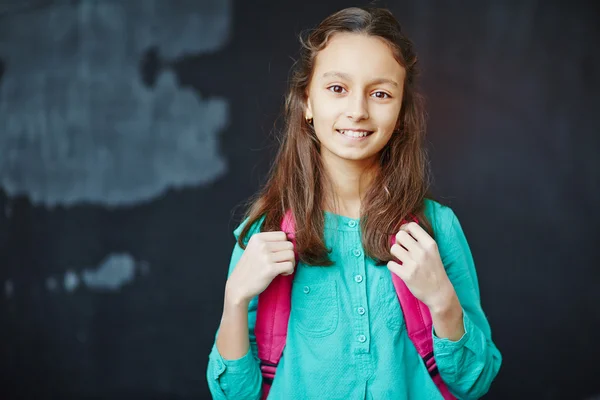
x,y
354,133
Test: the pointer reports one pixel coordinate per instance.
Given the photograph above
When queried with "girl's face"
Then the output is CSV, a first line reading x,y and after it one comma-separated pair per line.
x,y
355,96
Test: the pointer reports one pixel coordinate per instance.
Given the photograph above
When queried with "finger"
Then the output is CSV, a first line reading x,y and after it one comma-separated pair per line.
x,y
280,246
275,236
285,255
400,253
285,268
397,269
405,239
417,232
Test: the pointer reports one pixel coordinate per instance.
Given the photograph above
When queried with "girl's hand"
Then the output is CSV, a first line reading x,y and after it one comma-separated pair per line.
x,y
422,270
267,255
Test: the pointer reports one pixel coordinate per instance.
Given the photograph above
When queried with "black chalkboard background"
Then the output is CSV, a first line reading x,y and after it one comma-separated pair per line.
x,y
118,296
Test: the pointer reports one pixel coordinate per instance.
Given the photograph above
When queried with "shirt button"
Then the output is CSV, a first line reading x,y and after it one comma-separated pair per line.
x,y
306,289
352,224
361,310
362,338
357,252
358,278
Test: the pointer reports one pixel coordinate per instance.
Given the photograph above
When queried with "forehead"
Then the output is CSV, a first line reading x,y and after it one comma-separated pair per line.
x,y
359,56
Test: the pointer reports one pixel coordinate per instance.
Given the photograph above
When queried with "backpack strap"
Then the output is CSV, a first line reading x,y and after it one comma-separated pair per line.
x,y
272,317
273,314
419,326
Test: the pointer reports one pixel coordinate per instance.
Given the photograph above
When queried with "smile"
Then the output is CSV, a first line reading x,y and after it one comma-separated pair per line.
x,y
354,134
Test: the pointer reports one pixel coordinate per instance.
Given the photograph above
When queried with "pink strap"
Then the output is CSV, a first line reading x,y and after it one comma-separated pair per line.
x,y
273,313
419,326
272,317
416,314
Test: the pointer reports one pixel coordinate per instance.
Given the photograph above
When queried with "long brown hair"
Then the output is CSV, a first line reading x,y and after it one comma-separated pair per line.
x,y
297,177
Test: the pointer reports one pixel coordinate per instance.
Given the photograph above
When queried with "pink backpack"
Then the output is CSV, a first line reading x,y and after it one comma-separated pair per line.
x,y
273,313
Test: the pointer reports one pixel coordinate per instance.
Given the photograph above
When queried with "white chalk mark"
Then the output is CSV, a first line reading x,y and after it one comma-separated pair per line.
x,y
77,123
71,281
115,271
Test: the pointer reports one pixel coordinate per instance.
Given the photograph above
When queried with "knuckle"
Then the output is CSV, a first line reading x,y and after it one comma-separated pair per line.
x,y
418,254
267,256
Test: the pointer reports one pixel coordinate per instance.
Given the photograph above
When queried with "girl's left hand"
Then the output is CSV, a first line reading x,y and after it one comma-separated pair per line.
x,y
422,269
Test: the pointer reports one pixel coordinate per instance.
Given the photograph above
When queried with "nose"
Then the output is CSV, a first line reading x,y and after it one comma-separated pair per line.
x,y
357,108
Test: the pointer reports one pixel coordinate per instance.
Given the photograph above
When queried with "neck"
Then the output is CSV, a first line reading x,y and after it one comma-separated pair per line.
x,y
350,181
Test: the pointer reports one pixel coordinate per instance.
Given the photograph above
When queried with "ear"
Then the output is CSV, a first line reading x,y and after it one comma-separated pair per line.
x,y
308,114
399,124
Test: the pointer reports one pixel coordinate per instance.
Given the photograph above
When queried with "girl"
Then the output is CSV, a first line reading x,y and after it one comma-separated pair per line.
x,y
352,168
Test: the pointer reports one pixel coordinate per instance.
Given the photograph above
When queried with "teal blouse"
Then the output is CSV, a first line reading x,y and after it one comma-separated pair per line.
x,y
346,335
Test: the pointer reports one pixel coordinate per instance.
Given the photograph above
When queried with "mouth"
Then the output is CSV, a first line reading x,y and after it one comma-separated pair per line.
x,y
355,134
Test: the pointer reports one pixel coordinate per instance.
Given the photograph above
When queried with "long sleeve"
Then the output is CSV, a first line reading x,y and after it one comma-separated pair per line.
x,y
468,366
239,379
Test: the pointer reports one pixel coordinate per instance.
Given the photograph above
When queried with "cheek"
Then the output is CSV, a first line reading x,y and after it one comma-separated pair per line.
x,y
386,123
326,109
387,119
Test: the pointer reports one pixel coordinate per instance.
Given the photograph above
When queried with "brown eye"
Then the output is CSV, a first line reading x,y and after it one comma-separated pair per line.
x,y
382,95
336,89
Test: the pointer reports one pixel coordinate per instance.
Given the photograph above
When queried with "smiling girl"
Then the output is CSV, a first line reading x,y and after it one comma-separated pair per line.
x,y
350,172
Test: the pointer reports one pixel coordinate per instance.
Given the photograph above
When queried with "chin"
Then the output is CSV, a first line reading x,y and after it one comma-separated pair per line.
x,y
355,156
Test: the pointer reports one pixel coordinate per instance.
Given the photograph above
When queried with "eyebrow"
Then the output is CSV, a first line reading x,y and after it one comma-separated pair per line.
x,y
334,74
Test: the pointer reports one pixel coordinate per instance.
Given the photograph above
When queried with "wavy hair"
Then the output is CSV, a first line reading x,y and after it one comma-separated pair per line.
x,y
297,178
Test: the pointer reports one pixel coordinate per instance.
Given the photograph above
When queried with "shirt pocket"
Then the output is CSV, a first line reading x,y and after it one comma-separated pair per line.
x,y
389,305
315,308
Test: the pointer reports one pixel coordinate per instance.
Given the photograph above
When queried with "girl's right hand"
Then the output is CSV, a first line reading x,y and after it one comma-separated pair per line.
x,y
267,255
